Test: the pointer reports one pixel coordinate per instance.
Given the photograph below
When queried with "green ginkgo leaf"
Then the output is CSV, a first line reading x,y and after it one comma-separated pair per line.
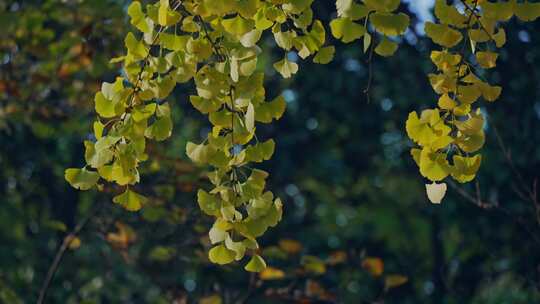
x,y
221,255
130,200
81,179
256,264
346,30
286,68
325,55
386,47
160,130
390,24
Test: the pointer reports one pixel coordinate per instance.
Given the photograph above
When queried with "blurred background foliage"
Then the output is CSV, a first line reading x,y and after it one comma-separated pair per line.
x,y
357,226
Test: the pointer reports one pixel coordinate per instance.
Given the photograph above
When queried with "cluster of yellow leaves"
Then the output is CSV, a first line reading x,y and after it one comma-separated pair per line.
x,y
448,135
353,19
214,43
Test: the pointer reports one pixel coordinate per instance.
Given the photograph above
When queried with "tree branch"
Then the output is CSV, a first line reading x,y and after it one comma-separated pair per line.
x,y
61,252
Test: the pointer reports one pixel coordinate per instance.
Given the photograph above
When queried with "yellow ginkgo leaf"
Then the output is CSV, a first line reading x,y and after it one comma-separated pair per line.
x,y
436,192
286,68
490,93
500,11
433,165
471,143
382,5
445,60
527,11
465,168
390,24
238,26
325,55
446,103
346,30
386,47
472,125
500,38
448,14
442,34
487,60
469,93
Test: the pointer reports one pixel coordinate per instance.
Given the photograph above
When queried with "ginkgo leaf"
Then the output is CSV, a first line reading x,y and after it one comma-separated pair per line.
x,y
198,153
104,107
465,168
238,247
443,34
261,21
487,60
346,30
382,5
490,93
138,19
527,11
98,128
135,48
446,103
499,38
343,7
217,235
166,16
448,14
221,255
471,143
284,39
130,200
268,111
471,125
500,11
251,38
160,130
237,26
325,55
390,24
81,179
436,192
386,47
256,264
204,105
261,151
208,203
433,165
286,68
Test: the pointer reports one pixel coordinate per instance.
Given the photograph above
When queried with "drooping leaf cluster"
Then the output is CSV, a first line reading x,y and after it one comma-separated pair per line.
x,y
214,43
469,34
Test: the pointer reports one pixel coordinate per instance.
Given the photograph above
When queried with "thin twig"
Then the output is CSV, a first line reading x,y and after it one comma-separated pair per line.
x,y
62,250
370,71
494,206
